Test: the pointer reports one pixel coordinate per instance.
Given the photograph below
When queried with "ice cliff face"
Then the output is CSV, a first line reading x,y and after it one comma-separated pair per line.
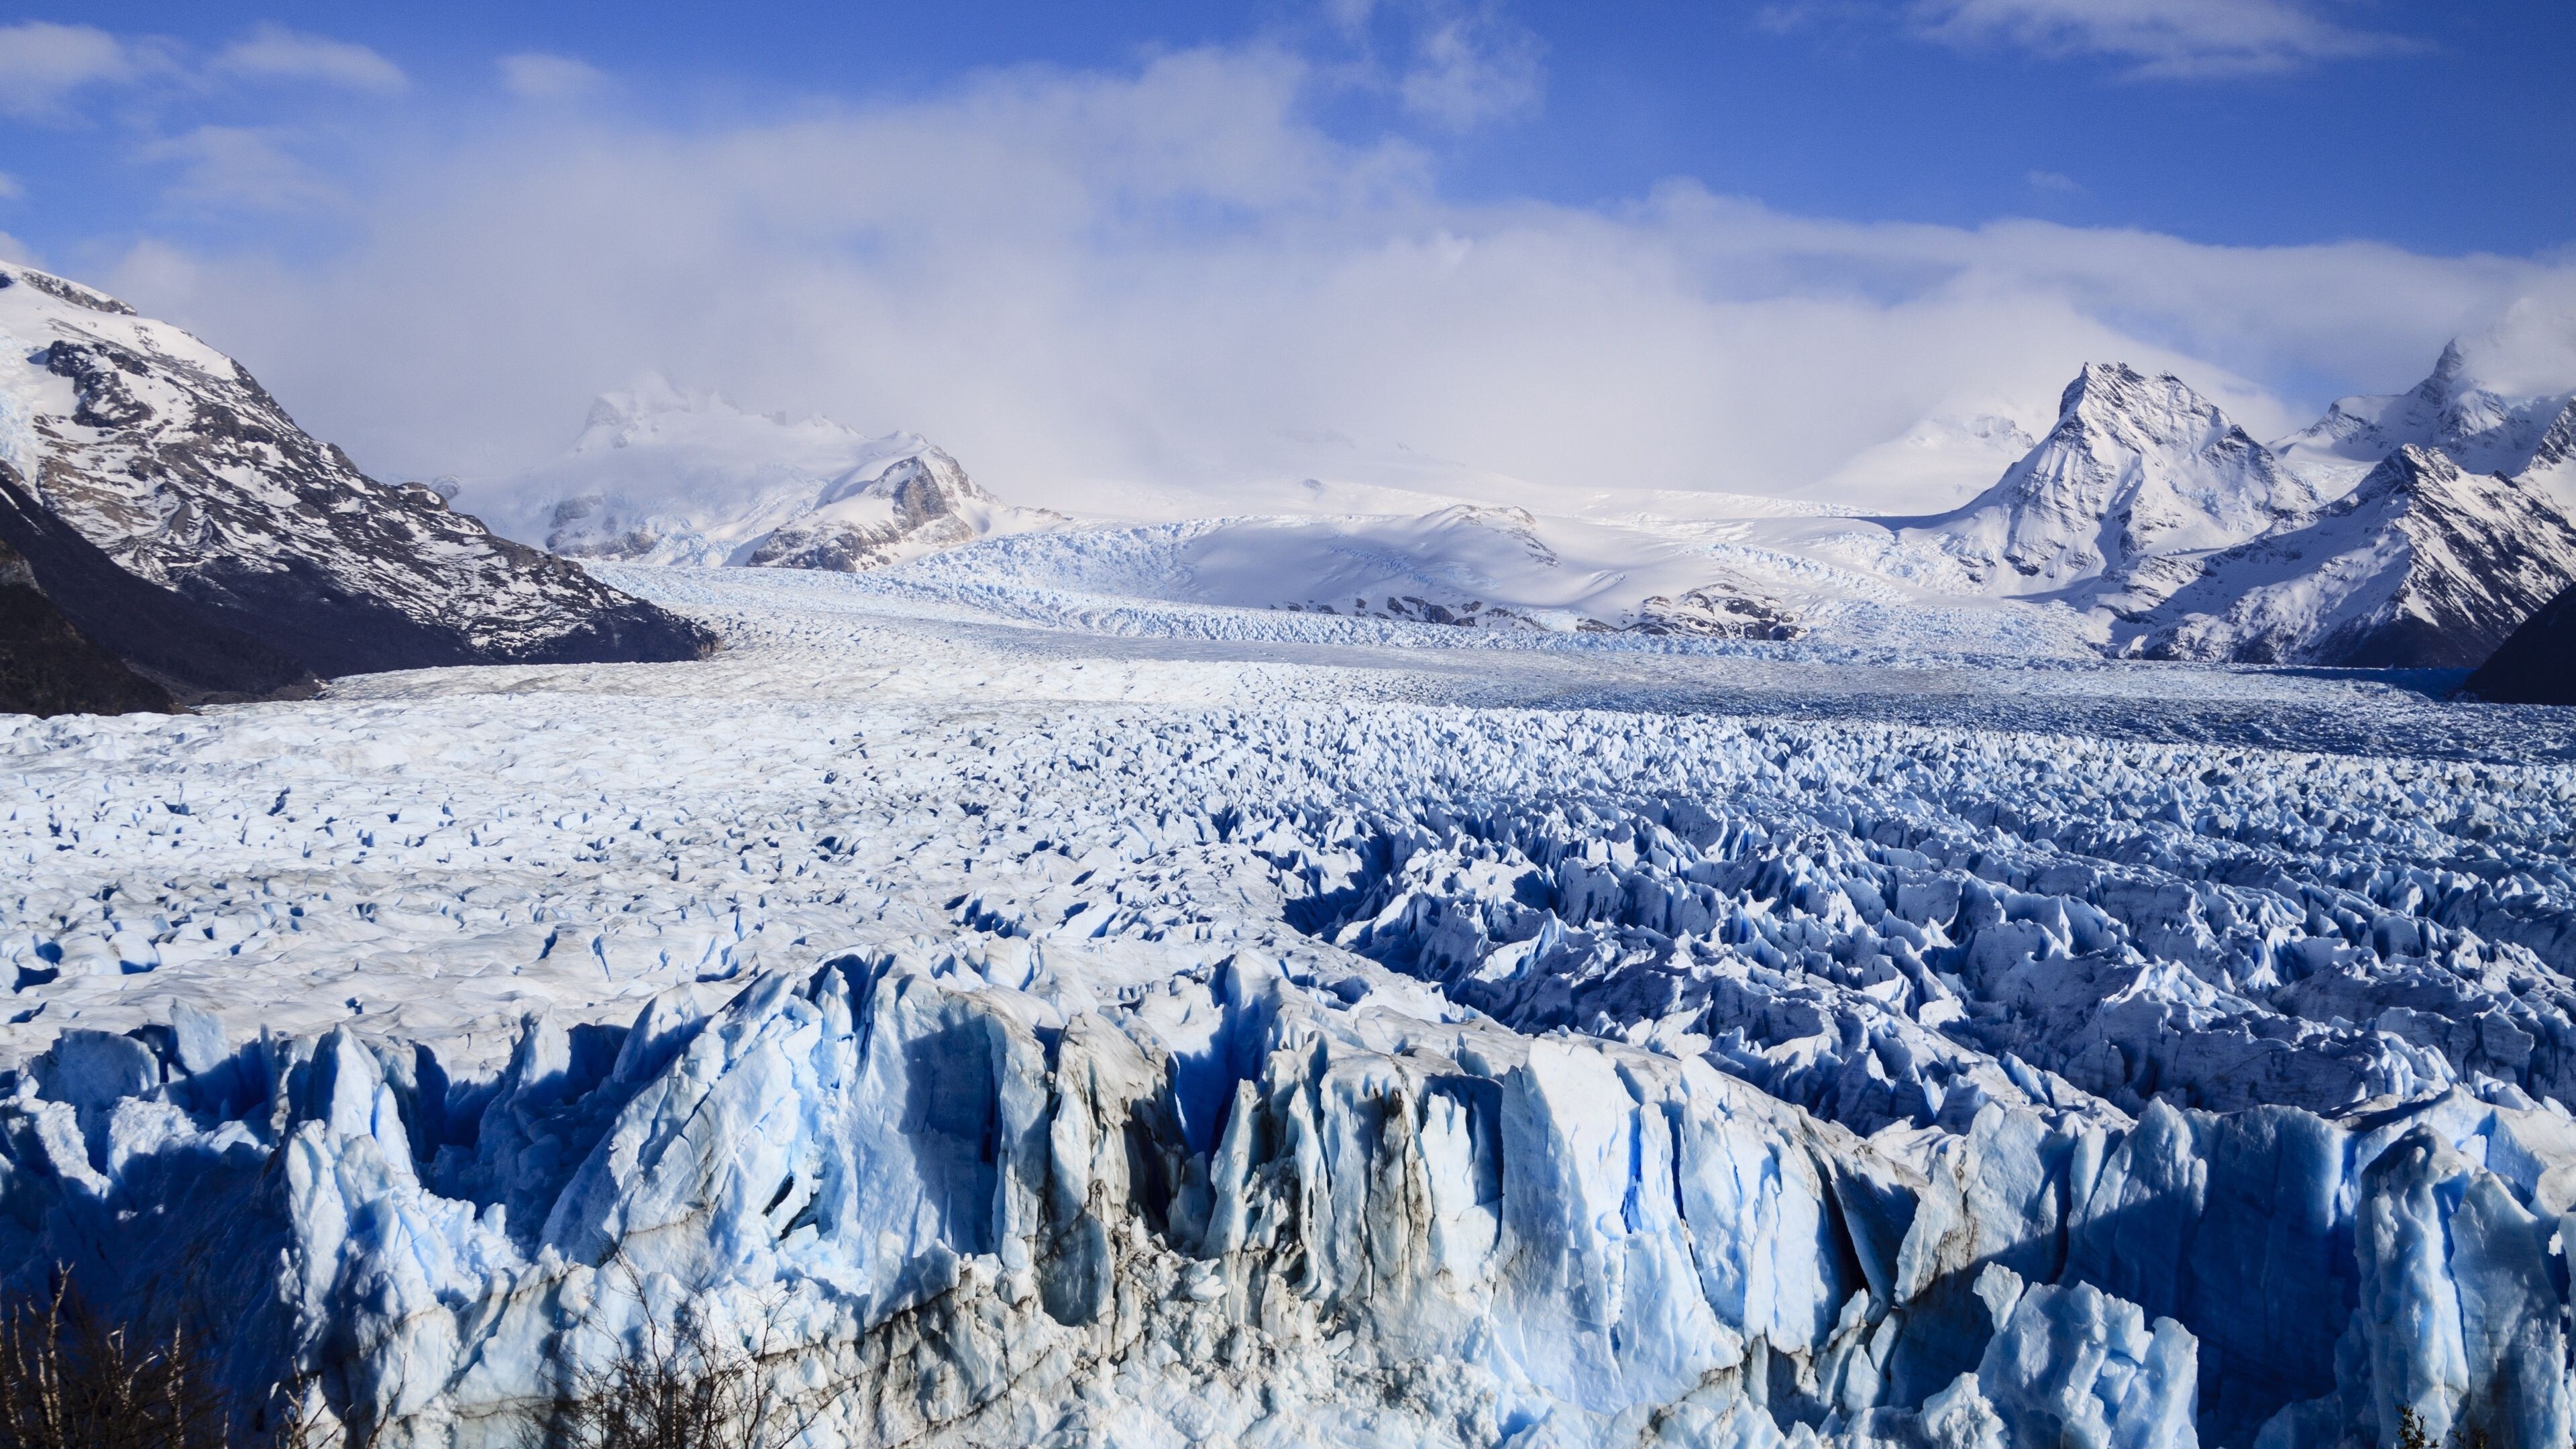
x,y
168,457
982,1217
2136,471
665,476
2423,564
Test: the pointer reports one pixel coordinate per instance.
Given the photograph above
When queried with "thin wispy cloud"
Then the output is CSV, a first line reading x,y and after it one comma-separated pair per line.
x,y
2160,39
240,168
273,52
2054,183
1456,64
52,72
43,65
533,75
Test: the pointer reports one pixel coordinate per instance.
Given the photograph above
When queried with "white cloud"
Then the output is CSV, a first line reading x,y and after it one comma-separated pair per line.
x,y
2170,39
273,52
14,250
2055,182
1462,62
11,189
1168,275
240,168
1470,68
42,64
537,76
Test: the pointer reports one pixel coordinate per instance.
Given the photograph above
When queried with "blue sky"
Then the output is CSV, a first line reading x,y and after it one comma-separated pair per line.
x,y
1702,244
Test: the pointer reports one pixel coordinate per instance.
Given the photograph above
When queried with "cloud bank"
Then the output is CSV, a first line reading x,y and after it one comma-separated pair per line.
x,y
1172,274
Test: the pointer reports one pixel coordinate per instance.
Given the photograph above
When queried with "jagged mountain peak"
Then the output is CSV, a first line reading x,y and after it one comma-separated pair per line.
x,y
2423,563
2412,471
667,475
922,472
2481,404
917,504
2136,469
2158,411
149,458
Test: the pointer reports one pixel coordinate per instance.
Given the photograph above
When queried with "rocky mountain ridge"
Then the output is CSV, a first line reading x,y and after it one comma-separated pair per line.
x,y
2424,565
170,460
2481,426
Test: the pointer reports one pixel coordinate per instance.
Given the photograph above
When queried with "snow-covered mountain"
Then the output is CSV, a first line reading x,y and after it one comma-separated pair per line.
x,y
172,460
665,476
2425,564
188,648
2480,425
2137,472
2552,468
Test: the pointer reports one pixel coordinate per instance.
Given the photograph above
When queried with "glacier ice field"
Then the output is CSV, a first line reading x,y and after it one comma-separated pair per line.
x,y
1076,1024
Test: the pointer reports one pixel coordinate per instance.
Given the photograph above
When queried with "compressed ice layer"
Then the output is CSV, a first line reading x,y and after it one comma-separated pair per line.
x,y
1261,1048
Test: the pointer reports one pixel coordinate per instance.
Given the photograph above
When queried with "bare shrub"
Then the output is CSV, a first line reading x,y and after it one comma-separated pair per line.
x,y
71,1380
680,1387
2411,1433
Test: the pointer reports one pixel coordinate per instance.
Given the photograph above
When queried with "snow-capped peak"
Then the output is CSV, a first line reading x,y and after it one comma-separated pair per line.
x,y
2477,405
2136,468
667,475
2552,469
2422,564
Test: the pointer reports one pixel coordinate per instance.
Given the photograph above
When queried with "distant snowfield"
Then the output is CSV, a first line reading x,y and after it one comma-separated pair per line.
x,y
436,853
441,852
1976,911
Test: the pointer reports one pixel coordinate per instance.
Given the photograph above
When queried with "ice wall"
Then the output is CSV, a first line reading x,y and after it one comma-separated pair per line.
x,y
1239,1207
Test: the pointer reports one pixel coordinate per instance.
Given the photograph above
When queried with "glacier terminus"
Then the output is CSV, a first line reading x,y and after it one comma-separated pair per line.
x,y
1138,1037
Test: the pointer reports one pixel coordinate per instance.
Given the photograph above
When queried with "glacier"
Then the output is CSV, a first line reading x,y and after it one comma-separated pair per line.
x,y
1185,1031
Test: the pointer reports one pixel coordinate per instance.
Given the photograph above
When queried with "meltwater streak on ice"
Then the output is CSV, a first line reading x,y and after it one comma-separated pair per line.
x,y
1148,1040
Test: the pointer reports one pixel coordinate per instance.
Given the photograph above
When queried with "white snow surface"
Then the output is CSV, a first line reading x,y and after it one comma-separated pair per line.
x,y
1186,1030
